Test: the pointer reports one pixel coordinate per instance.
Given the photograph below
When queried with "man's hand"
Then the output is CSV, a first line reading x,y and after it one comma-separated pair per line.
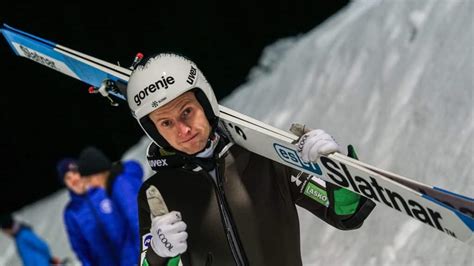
x,y
168,235
316,143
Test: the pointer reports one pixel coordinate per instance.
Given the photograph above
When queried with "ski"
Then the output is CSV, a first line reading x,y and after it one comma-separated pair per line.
x,y
445,211
459,202
348,173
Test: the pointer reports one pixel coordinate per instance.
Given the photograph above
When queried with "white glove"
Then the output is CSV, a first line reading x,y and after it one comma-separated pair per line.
x,y
168,235
316,143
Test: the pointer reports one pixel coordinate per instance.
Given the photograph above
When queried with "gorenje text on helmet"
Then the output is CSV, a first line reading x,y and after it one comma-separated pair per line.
x,y
162,83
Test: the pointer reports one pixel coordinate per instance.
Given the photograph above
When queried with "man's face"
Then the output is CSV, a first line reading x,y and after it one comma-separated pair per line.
x,y
183,123
73,181
8,231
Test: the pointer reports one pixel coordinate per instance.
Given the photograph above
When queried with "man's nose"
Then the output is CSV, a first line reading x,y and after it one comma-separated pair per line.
x,y
183,128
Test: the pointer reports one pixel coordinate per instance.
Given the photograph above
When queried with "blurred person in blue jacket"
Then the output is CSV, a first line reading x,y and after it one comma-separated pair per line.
x,y
31,248
102,217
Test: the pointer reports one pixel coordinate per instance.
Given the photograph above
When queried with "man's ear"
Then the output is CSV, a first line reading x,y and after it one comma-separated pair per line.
x,y
66,179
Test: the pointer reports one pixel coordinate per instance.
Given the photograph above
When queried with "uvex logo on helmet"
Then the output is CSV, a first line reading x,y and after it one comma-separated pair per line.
x,y
191,76
162,83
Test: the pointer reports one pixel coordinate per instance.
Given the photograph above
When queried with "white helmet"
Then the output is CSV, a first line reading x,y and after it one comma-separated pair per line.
x,y
160,79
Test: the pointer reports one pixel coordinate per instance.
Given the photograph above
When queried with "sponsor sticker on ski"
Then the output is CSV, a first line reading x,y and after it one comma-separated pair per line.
x,y
290,156
43,59
390,194
316,193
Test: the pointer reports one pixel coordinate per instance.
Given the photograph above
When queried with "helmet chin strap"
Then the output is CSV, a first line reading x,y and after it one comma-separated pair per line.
x,y
211,145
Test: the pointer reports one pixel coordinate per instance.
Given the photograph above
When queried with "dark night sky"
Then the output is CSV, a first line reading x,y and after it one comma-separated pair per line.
x,y
47,115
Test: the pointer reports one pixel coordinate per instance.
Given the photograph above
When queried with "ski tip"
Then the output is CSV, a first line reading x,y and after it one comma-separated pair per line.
x,y
5,26
14,31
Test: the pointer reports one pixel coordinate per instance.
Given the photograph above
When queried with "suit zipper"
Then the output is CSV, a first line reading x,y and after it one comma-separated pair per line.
x,y
233,239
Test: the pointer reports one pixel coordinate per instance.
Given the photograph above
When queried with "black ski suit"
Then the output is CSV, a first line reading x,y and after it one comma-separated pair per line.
x,y
247,212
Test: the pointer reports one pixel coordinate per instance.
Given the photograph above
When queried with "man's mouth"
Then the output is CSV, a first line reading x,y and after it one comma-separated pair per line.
x,y
191,138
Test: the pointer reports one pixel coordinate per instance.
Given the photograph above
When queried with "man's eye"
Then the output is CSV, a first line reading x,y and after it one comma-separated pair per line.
x,y
186,112
166,123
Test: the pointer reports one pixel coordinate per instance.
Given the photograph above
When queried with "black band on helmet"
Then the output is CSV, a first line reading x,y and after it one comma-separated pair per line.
x,y
206,105
153,132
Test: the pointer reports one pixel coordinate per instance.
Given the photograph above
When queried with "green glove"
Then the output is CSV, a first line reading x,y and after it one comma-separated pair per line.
x,y
174,261
351,152
346,201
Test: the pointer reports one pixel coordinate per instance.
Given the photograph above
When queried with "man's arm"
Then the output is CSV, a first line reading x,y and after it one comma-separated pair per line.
x,y
124,196
77,241
36,243
107,216
147,255
336,206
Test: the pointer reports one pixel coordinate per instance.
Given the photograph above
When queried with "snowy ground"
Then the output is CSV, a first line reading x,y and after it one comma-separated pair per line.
x,y
394,78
